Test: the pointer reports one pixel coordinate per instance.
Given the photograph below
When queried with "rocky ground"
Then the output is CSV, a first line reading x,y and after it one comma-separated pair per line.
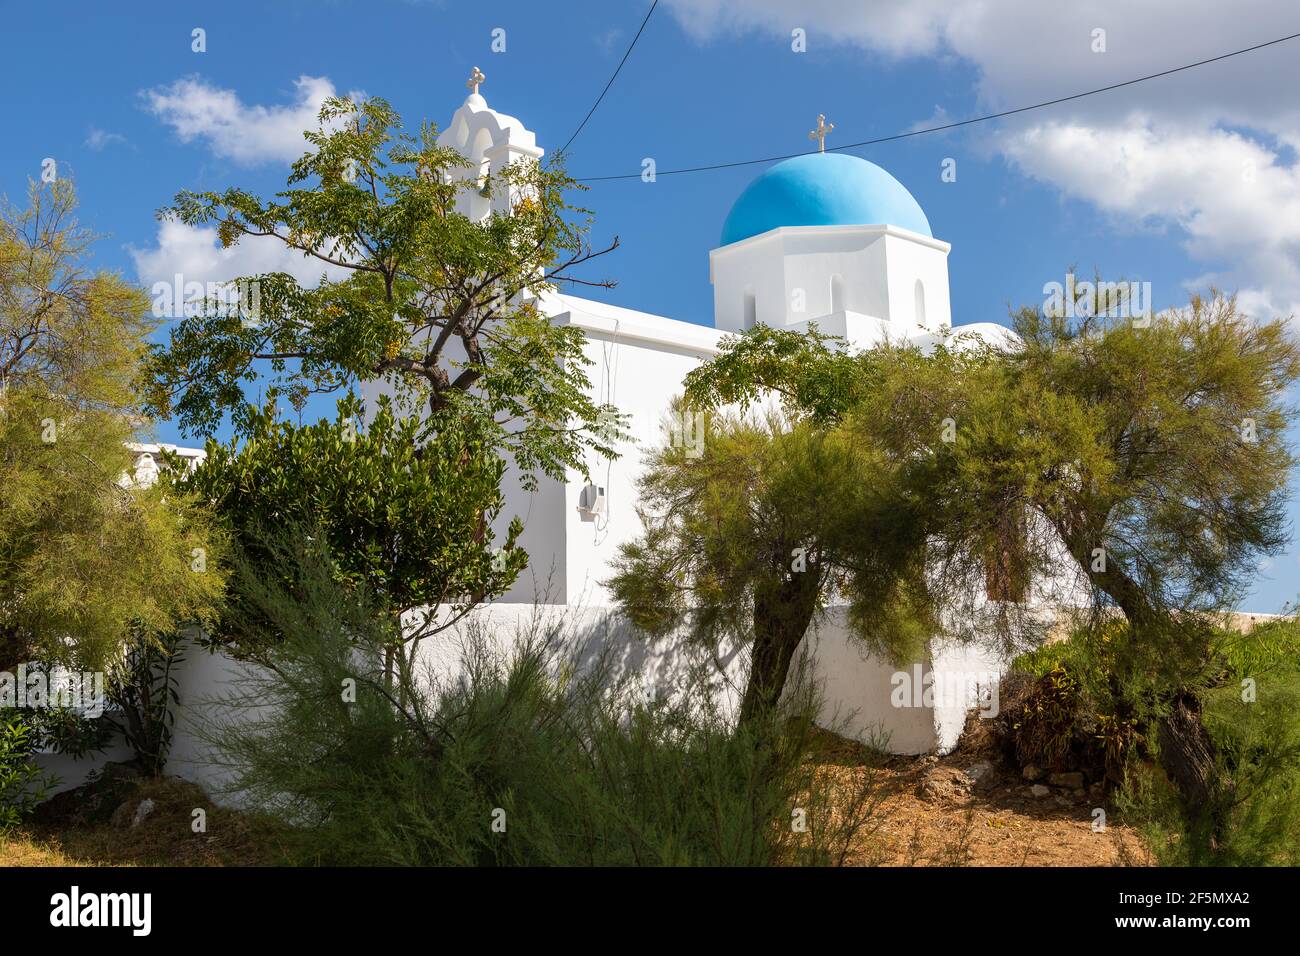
x,y
970,808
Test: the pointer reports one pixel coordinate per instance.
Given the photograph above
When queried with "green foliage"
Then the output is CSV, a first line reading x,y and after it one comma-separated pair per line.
x,y
1044,728
82,553
142,687
1163,445
410,519
440,306
21,784
1170,452
1258,768
807,370
1256,772
1268,647
749,534
577,768
65,331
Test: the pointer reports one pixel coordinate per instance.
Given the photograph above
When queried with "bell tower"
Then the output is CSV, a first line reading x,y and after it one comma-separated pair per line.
x,y
490,141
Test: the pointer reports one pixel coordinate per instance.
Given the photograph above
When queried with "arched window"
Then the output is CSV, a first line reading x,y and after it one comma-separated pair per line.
x,y
920,302
751,309
837,293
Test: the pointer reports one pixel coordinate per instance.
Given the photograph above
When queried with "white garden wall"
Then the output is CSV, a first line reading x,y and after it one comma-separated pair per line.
x,y
859,689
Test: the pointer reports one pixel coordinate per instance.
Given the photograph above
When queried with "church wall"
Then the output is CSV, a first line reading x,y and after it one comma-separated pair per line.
x,y
855,685
640,378
853,259
909,262
802,274
753,267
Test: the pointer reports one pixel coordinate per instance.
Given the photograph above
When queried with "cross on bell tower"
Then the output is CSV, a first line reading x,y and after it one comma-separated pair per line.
x,y
820,133
475,78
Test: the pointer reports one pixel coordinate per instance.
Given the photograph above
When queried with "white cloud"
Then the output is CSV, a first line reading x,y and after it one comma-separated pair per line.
x,y
607,39
97,138
195,254
247,134
1233,201
1175,151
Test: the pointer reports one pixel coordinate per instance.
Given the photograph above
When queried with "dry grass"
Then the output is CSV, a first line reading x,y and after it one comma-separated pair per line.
x,y
996,825
165,838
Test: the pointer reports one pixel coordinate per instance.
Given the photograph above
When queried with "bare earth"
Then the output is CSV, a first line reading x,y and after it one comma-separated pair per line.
x,y
996,823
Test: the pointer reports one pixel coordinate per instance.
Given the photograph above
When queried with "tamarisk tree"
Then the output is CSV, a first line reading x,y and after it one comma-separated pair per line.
x,y
750,536
1137,468
89,561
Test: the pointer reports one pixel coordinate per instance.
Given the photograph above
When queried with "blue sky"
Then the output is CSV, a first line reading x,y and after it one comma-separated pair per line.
x,y
1178,182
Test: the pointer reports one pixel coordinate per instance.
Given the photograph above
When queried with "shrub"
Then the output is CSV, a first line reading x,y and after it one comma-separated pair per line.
x,y
1257,761
142,688
21,782
523,759
1066,715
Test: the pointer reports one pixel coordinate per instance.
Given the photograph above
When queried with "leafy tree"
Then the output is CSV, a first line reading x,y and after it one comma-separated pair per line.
x,y
750,537
84,555
441,307
1140,467
409,520
1160,462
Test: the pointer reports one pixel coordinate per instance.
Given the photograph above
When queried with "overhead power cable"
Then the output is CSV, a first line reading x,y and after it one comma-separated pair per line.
x,y
612,78
947,126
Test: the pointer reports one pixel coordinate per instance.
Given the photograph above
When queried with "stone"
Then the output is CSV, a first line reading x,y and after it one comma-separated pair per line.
x,y
1032,773
981,774
944,785
132,814
142,812
121,817
1039,791
1070,781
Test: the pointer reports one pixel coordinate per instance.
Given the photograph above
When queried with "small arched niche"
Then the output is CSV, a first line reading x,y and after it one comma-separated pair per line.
x,y
837,293
919,296
750,315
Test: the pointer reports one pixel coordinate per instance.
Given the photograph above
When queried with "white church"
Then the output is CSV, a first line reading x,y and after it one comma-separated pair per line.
x,y
823,238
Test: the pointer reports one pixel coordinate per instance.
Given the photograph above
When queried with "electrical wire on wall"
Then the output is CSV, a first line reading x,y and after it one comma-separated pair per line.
x,y
609,392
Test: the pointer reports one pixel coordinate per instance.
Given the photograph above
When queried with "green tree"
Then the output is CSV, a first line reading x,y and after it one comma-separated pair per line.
x,y
750,536
440,307
1131,467
85,556
1158,457
409,520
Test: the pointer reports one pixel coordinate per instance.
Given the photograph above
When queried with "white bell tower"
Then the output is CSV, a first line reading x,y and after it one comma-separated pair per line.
x,y
490,141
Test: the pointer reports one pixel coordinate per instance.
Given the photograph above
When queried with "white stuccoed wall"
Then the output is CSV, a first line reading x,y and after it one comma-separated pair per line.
x,y
798,274
856,687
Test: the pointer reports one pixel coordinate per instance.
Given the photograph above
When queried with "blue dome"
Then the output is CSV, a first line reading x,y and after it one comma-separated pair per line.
x,y
823,189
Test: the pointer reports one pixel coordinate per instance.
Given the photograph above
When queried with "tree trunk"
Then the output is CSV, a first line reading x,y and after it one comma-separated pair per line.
x,y
783,612
1187,755
1186,749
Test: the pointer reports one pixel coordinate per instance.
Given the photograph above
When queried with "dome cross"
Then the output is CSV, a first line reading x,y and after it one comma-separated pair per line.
x,y
820,133
475,78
